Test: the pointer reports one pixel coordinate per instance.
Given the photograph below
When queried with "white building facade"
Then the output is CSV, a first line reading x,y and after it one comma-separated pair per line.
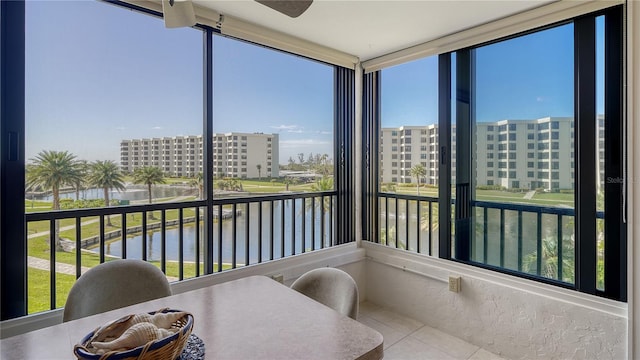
x,y
404,147
513,154
238,155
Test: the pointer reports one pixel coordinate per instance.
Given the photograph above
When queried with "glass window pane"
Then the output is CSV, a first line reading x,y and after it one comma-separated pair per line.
x,y
273,121
409,157
523,96
409,133
118,90
106,90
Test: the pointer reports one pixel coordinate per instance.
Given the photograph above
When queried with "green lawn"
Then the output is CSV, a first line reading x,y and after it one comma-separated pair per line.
x,y
540,198
39,247
554,196
411,190
36,205
267,186
38,282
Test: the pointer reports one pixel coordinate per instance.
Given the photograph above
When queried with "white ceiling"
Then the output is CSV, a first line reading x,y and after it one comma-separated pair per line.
x,y
371,28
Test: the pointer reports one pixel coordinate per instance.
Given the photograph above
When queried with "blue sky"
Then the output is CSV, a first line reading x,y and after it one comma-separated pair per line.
x,y
528,77
257,89
97,74
92,81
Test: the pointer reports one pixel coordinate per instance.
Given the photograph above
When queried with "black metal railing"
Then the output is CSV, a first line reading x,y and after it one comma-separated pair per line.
x,y
247,230
419,229
537,241
542,245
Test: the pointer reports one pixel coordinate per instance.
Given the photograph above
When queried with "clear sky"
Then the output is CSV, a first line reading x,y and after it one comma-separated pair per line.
x,y
258,89
97,74
528,77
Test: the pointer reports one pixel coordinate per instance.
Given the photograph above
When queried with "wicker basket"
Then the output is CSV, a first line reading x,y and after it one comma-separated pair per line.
x,y
169,347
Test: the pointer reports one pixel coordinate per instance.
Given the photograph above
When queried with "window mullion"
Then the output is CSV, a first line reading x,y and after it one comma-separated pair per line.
x,y
585,141
615,258
344,87
13,252
464,174
207,179
370,146
444,171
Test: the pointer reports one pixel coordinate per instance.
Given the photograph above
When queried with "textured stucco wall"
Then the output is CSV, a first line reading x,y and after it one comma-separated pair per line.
x,y
503,319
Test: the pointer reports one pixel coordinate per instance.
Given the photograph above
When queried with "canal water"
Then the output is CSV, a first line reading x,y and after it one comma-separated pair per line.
x,y
292,235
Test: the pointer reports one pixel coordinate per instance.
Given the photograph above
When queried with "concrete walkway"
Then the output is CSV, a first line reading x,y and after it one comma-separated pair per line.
x,y
529,195
64,228
62,268
42,264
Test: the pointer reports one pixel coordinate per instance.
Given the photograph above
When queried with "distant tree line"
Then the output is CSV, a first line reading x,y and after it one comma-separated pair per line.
x,y
318,163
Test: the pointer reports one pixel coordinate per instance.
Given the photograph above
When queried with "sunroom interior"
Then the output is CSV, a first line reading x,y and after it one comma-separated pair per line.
x,y
515,300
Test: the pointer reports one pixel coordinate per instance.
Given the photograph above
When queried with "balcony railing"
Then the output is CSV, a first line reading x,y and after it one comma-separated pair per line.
x,y
409,222
535,241
245,231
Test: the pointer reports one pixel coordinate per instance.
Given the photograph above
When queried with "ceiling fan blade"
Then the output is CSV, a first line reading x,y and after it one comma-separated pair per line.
x,y
291,8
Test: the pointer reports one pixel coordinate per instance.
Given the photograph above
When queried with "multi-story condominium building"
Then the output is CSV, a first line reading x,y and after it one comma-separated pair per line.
x,y
240,155
404,147
527,154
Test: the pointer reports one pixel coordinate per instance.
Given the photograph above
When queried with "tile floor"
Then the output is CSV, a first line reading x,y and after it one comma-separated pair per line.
x,y
408,339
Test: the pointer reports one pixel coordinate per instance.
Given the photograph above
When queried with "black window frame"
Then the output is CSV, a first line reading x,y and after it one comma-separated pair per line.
x,y
585,210
585,213
13,254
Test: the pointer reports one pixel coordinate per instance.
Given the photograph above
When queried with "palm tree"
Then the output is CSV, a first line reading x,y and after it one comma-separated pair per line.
x,y
52,170
424,217
148,175
223,184
198,181
418,172
237,185
549,259
289,181
259,167
388,239
80,184
30,186
323,165
106,175
324,184
230,184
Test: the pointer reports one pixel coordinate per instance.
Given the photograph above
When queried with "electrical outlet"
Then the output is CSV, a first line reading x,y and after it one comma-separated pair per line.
x,y
278,277
454,283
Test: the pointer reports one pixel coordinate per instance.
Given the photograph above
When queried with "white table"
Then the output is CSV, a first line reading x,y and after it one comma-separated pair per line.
x,y
249,318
